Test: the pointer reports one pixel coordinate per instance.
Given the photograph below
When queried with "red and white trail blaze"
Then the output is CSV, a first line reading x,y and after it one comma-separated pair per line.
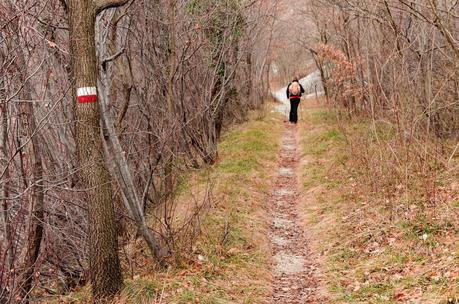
x,y
87,94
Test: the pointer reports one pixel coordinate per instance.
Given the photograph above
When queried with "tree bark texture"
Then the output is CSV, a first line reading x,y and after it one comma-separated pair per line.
x,y
105,270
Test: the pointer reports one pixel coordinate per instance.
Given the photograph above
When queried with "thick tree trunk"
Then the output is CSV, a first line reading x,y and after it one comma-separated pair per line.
x,y
105,270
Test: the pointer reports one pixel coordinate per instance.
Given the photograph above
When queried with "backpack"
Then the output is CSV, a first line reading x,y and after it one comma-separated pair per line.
x,y
294,89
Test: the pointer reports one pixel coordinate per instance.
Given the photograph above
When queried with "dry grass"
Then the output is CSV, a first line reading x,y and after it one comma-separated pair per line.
x,y
383,217
230,262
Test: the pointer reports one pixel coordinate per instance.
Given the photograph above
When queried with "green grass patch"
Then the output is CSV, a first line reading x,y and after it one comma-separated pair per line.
x,y
423,228
142,290
234,258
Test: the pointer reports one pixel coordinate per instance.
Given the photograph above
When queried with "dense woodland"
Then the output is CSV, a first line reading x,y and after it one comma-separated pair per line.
x,y
391,68
170,75
396,57
394,63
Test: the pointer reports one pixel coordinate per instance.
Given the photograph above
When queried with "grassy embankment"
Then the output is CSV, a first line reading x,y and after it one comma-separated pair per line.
x,y
384,220
230,262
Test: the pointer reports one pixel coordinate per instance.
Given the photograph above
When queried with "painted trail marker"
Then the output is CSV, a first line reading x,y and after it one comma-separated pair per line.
x,y
87,94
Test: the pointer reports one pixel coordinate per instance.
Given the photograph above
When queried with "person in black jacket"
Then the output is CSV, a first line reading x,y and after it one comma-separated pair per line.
x,y
294,100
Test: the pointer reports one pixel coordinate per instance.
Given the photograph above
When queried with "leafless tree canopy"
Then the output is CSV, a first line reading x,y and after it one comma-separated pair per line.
x,y
394,57
171,75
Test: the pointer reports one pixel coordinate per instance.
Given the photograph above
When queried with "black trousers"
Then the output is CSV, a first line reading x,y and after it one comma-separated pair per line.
x,y
294,103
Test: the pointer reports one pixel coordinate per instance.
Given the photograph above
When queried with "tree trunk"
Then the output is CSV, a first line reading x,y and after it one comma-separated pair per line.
x,y
119,166
36,214
323,77
170,156
35,184
105,270
4,191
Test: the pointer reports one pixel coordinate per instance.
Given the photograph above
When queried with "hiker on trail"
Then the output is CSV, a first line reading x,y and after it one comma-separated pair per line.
x,y
294,92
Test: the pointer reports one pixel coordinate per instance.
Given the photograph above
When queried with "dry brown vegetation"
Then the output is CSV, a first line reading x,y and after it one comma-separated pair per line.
x,y
382,240
383,155
381,171
393,61
229,262
170,76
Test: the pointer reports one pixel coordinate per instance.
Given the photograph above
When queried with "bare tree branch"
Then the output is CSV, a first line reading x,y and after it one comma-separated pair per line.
x,y
101,5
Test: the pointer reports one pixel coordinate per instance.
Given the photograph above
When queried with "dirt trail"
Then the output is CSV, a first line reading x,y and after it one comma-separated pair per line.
x,y
295,278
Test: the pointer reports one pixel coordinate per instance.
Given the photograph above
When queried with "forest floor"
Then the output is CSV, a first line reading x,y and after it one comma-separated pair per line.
x,y
230,262
295,219
378,239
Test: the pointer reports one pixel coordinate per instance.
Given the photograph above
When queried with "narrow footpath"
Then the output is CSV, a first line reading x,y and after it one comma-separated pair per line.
x,y
294,271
